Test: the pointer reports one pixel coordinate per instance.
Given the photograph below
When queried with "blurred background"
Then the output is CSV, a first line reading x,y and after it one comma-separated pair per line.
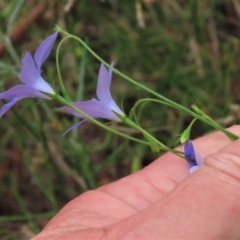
x,y
186,50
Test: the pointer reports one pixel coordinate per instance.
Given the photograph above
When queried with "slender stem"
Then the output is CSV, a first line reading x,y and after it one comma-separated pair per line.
x,y
195,115
227,73
64,92
172,103
129,122
179,107
80,88
28,217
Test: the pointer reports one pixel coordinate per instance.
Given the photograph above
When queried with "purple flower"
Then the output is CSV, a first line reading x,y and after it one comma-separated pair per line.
x,y
193,157
31,76
102,108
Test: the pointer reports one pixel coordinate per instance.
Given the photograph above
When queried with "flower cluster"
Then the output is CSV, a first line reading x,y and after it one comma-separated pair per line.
x,y
104,107
36,86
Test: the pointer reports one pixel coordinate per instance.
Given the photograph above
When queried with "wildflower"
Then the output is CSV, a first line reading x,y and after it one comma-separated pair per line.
x,y
194,158
105,107
31,76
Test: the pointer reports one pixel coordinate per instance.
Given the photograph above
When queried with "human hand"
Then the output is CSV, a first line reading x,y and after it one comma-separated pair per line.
x,y
162,201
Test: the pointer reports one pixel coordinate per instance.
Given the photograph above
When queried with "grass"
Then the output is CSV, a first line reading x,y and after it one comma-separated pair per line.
x,y
186,50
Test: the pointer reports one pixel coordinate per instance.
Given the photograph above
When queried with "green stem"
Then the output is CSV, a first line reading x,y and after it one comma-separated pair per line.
x,y
29,217
80,87
228,70
199,117
179,107
130,123
21,202
64,92
172,103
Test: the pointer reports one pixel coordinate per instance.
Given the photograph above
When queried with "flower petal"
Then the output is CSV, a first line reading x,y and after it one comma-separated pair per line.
x,y
70,111
103,86
31,76
191,154
103,89
43,86
93,108
74,126
189,151
199,158
193,169
22,91
44,50
6,107
29,73
191,164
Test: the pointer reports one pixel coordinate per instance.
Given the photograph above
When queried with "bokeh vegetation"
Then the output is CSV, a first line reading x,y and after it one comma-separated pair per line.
x,y
187,50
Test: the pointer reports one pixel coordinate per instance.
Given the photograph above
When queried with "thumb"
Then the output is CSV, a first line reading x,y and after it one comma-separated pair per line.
x,y
205,205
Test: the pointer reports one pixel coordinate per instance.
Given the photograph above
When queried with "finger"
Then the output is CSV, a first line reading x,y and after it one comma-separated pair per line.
x,y
204,206
127,196
149,185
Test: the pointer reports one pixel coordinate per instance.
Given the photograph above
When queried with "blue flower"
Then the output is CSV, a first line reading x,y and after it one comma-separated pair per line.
x,y
102,108
193,157
30,75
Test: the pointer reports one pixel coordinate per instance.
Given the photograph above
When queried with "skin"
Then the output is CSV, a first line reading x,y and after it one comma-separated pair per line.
x,y
162,201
